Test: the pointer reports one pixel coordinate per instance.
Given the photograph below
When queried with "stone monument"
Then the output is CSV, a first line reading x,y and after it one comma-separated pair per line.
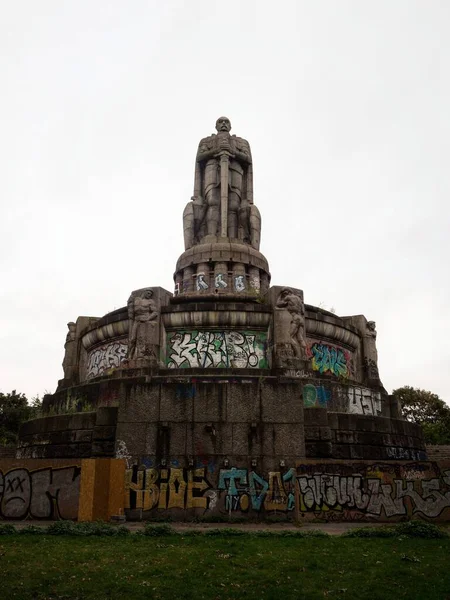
x,y
226,382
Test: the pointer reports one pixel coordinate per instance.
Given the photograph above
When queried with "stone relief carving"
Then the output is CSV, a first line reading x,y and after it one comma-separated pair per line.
x,y
222,204
143,331
370,350
293,304
70,349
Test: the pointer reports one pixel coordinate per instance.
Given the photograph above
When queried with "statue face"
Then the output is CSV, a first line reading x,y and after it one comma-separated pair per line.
x,y
371,325
148,294
223,124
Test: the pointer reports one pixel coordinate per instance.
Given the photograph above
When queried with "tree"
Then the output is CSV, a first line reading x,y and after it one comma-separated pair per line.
x,y
14,410
428,410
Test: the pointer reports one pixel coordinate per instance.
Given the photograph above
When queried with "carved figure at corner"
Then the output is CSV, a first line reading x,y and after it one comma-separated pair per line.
x,y
222,204
370,350
291,302
143,316
70,349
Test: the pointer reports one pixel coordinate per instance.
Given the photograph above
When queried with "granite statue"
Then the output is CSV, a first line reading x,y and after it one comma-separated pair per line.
x,y
222,204
143,318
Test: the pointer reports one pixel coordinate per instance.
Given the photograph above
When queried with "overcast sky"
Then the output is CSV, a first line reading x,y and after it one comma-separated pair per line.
x,y
346,105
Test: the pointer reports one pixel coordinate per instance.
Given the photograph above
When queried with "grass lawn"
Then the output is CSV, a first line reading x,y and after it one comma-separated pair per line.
x,y
49,567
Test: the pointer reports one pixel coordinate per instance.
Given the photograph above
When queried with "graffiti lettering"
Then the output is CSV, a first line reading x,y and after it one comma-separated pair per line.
x,y
168,488
315,396
43,494
206,349
106,357
329,359
374,494
364,402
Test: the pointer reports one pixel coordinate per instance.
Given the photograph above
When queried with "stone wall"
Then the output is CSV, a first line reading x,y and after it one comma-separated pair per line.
x,y
79,435
7,452
86,490
438,452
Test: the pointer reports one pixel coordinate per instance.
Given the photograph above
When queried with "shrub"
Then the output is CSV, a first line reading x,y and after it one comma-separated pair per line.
x,y
99,528
7,529
421,529
32,529
158,530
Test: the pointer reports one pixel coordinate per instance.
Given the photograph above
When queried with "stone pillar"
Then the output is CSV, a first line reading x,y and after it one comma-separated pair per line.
x,y
221,283
202,283
264,283
188,279
254,280
178,284
240,283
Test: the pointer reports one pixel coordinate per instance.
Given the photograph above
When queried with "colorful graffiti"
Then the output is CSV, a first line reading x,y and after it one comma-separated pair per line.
x,y
349,492
350,399
338,491
168,488
315,396
106,357
49,493
226,349
247,490
330,359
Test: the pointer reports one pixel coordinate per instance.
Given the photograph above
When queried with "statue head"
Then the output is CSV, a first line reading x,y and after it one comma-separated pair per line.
x,y
148,294
371,325
223,124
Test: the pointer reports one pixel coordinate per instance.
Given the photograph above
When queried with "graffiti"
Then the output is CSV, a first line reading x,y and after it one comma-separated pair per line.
x,y
106,357
363,401
335,491
219,281
329,359
245,491
206,349
398,453
239,283
255,283
201,283
43,494
317,396
168,488
377,491
122,452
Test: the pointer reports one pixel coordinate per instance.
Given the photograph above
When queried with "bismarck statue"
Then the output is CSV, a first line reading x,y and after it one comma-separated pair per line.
x,y
222,204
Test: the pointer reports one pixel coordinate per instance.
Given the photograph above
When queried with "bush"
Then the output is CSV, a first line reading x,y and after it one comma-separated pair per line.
x,y
32,529
158,530
421,529
99,528
7,529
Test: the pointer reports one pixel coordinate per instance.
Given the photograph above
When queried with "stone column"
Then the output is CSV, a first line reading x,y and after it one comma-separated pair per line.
x,y
221,283
202,283
240,283
254,280
188,279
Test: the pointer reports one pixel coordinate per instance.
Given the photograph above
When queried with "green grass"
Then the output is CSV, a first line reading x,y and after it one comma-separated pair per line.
x,y
48,567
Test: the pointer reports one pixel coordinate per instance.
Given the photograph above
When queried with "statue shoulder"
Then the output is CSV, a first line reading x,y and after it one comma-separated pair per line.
x,y
242,145
206,143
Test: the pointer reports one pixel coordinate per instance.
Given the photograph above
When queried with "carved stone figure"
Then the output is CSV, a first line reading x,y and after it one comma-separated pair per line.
x,y
222,204
143,315
70,350
370,350
291,302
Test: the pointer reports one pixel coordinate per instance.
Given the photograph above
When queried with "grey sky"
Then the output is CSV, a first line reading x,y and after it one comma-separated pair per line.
x,y
345,105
